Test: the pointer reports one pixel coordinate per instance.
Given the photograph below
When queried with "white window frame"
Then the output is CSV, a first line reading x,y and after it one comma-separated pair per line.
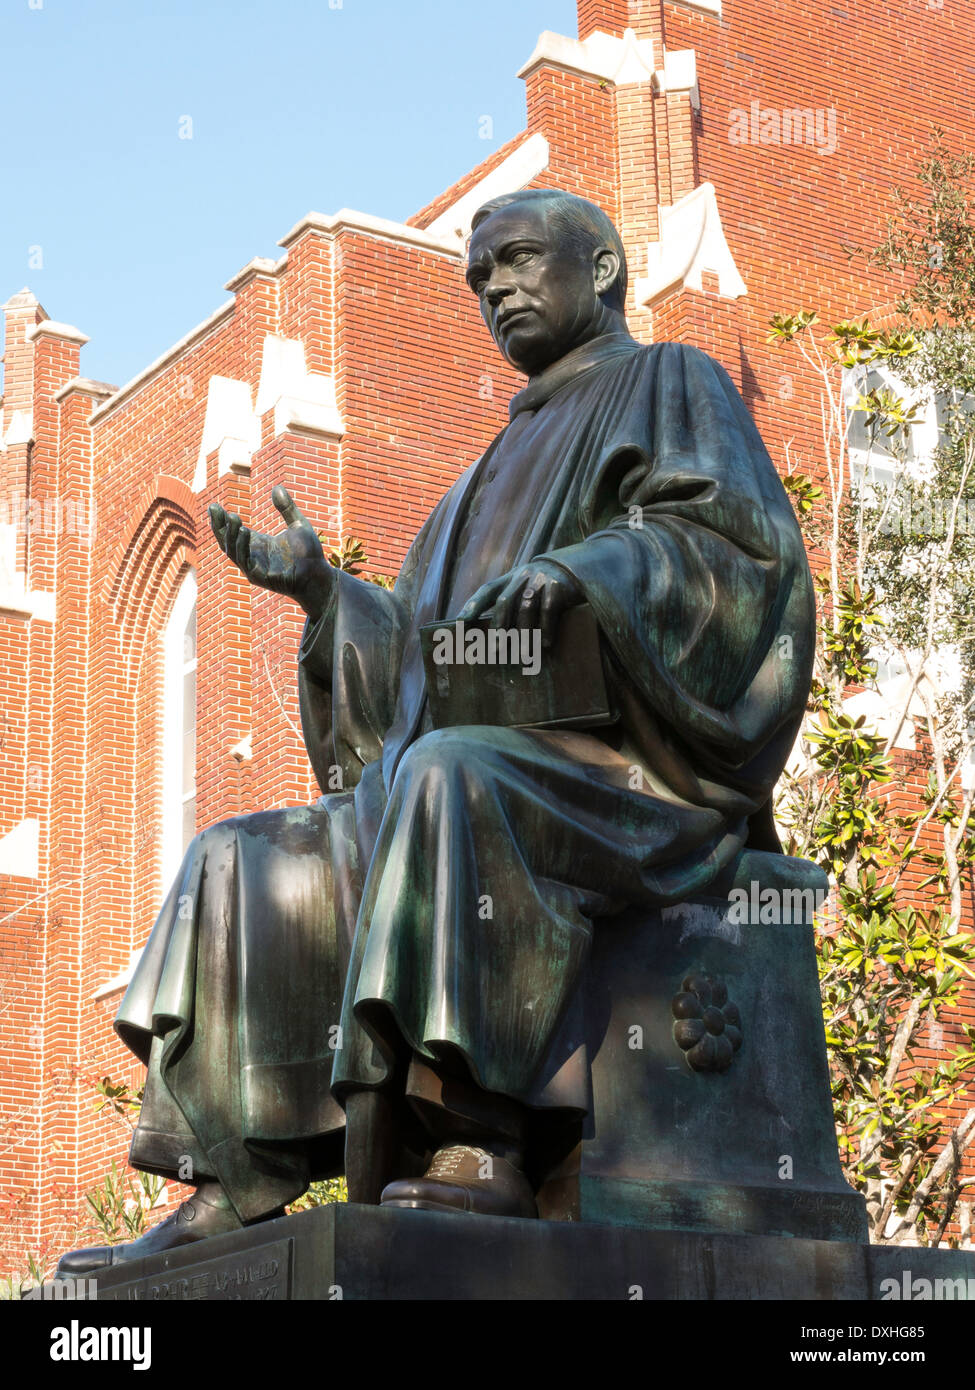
x,y
877,468
869,463
174,793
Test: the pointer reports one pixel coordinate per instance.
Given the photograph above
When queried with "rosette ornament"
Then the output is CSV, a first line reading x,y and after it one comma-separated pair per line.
x,y
707,1027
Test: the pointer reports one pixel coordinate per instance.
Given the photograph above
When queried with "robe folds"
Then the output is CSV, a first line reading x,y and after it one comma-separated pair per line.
x,y
441,905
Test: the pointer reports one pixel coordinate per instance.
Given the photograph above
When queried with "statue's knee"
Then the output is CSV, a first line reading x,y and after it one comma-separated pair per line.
x,y
460,748
214,838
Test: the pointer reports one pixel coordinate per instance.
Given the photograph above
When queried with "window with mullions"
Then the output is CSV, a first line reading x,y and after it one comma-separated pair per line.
x,y
884,471
872,459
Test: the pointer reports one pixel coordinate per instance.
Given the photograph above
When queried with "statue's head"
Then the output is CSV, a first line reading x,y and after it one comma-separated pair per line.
x,y
549,271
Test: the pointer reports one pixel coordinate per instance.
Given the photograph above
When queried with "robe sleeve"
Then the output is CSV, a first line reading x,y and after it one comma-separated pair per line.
x,y
348,672
694,564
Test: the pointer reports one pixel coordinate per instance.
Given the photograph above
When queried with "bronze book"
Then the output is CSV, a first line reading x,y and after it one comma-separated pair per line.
x,y
476,674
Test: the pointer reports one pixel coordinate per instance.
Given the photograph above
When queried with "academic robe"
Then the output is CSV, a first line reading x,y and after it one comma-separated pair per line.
x,y
441,905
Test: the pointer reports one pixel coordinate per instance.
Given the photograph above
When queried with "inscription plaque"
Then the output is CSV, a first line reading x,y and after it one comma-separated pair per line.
x,y
262,1275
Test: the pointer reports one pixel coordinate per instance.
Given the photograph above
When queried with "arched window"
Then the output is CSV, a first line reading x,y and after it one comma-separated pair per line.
x,y
179,730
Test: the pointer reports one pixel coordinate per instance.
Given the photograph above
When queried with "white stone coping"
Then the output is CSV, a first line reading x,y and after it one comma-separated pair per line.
x,y
120,982
263,265
50,328
708,6
24,299
20,850
524,164
303,402
20,430
883,713
283,371
692,241
194,336
26,603
351,220
293,415
233,456
679,74
230,427
260,265
85,386
605,56
515,172
243,751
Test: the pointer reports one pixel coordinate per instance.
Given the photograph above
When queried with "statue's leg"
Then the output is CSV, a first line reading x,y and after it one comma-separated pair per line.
x,y
371,1144
445,1115
234,1008
477,1140
206,1212
497,851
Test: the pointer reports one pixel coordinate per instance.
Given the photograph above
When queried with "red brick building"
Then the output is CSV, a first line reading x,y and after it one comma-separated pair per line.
x,y
144,688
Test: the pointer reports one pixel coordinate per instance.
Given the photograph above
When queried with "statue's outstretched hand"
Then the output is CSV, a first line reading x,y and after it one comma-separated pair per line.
x,y
533,595
292,562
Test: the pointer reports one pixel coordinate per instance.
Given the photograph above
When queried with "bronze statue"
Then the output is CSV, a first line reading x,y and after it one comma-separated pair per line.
x,y
386,982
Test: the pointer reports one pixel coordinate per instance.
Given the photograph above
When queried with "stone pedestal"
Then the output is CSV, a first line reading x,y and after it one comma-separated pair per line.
x,y
707,1168
354,1252
733,1136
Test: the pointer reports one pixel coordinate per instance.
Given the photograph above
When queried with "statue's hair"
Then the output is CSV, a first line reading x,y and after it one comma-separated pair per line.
x,y
584,225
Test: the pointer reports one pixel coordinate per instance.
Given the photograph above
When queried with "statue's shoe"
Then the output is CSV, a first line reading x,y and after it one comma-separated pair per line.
x,y
193,1220
464,1178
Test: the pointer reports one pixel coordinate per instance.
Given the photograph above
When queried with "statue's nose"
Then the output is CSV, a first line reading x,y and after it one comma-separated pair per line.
x,y
500,284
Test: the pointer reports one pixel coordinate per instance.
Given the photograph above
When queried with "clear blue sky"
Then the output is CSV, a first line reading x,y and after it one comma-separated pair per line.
x,y
295,106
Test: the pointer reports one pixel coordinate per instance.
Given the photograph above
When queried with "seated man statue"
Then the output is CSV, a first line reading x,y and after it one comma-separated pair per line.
x,y
388,982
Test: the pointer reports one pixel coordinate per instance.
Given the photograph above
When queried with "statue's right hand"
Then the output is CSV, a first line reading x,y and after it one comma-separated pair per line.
x,y
292,562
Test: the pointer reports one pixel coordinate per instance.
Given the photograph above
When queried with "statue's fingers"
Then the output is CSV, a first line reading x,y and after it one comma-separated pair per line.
x,y
234,524
218,523
550,610
243,548
482,600
508,601
288,508
532,597
256,560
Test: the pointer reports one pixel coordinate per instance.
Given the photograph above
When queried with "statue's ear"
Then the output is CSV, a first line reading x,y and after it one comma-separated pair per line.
x,y
605,270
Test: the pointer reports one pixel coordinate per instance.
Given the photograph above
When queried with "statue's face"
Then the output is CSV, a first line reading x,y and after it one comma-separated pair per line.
x,y
538,296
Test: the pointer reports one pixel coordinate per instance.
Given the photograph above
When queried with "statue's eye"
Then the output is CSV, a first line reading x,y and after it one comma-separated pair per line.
x,y
522,257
